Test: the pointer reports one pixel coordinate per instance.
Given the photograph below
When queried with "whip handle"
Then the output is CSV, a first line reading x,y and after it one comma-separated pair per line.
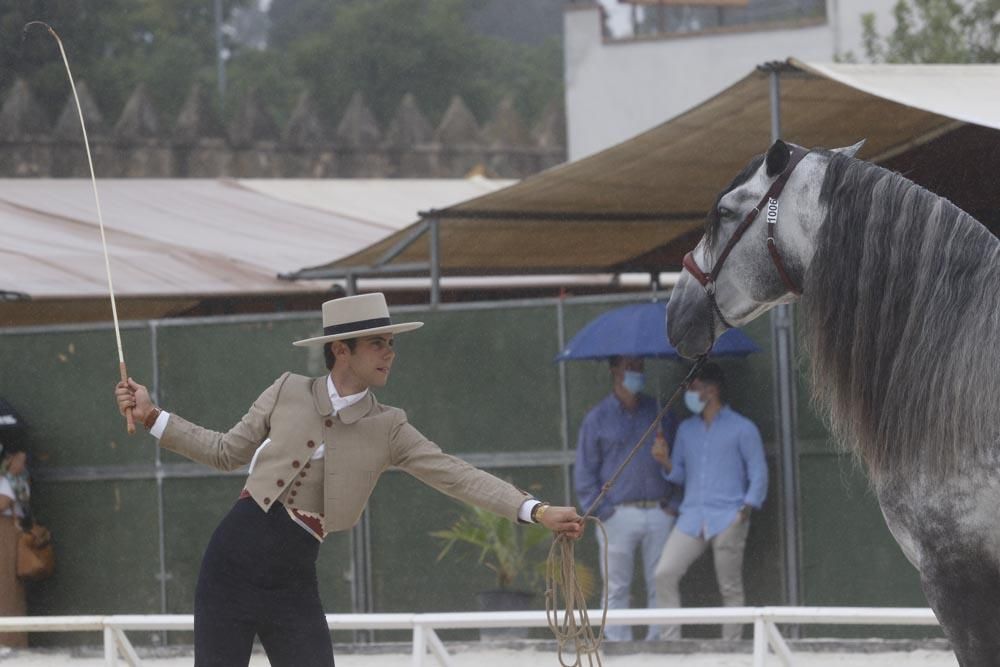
x,y
129,420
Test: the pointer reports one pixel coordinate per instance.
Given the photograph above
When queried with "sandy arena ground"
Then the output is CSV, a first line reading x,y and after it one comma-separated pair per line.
x,y
466,655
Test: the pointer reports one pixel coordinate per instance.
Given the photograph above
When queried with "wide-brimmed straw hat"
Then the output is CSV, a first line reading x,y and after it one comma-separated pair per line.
x,y
355,316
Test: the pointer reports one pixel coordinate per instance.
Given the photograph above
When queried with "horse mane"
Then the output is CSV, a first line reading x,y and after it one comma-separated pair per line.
x,y
902,312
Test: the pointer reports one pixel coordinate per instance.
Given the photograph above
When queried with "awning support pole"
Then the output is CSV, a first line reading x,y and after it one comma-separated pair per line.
x,y
400,247
783,348
435,257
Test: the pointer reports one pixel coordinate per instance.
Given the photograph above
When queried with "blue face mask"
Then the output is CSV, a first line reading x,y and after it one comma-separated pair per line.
x,y
634,381
693,402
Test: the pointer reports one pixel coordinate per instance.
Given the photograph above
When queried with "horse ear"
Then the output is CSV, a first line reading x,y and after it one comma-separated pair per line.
x,y
850,151
777,158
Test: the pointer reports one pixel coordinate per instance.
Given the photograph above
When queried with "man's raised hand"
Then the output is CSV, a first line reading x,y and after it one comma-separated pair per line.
x,y
133,395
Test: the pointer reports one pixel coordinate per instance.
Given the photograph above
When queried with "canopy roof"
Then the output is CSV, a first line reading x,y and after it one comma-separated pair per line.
x,y
192,237
639,205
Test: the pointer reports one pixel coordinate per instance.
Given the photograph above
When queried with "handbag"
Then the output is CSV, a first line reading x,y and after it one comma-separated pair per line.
x,y
36,557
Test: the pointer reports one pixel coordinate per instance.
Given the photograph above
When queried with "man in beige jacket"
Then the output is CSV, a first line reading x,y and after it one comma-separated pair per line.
x,y
315,449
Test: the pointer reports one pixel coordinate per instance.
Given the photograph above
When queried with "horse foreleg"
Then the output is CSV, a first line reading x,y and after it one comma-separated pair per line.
x,y
962,585
960,576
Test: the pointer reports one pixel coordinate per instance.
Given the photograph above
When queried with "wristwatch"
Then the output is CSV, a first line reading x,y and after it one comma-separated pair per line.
x,y
537,511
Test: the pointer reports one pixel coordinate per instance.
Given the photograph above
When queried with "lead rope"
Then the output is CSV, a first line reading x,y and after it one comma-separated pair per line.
x,y
575,627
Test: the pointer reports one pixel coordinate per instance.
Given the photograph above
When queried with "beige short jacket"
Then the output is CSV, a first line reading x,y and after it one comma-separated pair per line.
x,y
294,415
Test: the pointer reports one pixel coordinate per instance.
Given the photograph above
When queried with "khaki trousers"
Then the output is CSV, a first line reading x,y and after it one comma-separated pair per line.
x,y
682,550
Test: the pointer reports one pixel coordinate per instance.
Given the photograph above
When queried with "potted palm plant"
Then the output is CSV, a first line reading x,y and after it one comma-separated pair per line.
x,y
513,552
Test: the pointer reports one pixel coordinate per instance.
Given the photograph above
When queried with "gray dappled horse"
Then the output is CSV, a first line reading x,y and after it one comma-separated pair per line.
x,y
900,295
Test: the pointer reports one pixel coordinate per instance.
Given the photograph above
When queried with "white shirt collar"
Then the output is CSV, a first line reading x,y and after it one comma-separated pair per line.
x,y
339,403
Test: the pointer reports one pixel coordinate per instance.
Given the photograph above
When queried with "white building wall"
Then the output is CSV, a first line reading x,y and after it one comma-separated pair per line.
x,y
617,89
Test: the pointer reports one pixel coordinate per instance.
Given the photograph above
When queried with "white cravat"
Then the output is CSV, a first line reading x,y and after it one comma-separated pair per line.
x,y
338,405
338,402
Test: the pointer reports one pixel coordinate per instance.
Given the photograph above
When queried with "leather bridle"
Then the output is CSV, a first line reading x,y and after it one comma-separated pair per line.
x,y
768,203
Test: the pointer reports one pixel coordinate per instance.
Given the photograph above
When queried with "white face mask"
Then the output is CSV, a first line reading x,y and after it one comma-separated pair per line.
x,y
634,381
692,400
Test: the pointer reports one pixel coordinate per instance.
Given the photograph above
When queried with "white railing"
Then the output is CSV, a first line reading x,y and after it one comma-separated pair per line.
x,y
424,626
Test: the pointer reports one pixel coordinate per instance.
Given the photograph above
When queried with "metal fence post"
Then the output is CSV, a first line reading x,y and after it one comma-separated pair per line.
x,y
110,650
419,646
563,400
759,642
783,346
161,523
361,573
435,257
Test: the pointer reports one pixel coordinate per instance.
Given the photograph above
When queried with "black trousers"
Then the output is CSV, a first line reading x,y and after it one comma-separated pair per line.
x,y
258,577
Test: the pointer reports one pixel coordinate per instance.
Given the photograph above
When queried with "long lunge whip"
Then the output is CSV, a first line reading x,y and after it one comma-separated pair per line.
x,y
100,218
575,629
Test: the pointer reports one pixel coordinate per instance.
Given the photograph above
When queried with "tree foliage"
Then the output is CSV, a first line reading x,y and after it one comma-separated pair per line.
x,y
937,31
383,48
387,48
113,45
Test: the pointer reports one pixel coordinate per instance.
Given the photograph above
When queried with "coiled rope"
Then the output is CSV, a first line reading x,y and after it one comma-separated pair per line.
x,y
574,628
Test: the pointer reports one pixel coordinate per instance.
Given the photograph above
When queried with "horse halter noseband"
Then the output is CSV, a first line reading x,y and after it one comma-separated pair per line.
x,y
768,202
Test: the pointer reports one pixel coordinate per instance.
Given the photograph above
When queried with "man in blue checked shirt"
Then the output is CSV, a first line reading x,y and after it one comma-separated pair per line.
x,y
640,508
719,458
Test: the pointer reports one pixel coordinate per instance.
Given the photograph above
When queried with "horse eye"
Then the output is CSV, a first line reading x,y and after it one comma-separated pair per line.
x,y
725,212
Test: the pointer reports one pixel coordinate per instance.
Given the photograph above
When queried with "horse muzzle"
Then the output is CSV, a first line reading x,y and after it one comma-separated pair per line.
x,y
690,324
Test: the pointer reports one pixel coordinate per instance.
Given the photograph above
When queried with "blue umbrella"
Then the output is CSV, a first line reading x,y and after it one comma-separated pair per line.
x,y
640,330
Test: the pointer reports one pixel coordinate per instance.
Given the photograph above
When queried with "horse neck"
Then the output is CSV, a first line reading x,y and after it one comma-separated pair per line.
x,y
801,241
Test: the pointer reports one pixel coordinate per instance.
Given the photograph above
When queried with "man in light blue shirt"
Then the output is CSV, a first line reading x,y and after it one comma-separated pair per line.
x,y
719,458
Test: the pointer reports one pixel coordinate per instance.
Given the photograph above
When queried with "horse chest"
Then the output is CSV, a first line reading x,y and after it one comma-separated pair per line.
x,y
932,513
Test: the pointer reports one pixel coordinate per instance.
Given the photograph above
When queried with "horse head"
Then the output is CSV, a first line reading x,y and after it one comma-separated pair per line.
x,y
758,242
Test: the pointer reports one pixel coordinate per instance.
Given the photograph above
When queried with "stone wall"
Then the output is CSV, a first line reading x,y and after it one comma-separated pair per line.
x,y
140,144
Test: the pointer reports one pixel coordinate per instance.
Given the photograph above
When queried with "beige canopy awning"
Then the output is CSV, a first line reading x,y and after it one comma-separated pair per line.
x,y
639,206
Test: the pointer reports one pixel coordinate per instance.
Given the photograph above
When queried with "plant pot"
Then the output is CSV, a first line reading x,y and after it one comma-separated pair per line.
x,y
503,600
